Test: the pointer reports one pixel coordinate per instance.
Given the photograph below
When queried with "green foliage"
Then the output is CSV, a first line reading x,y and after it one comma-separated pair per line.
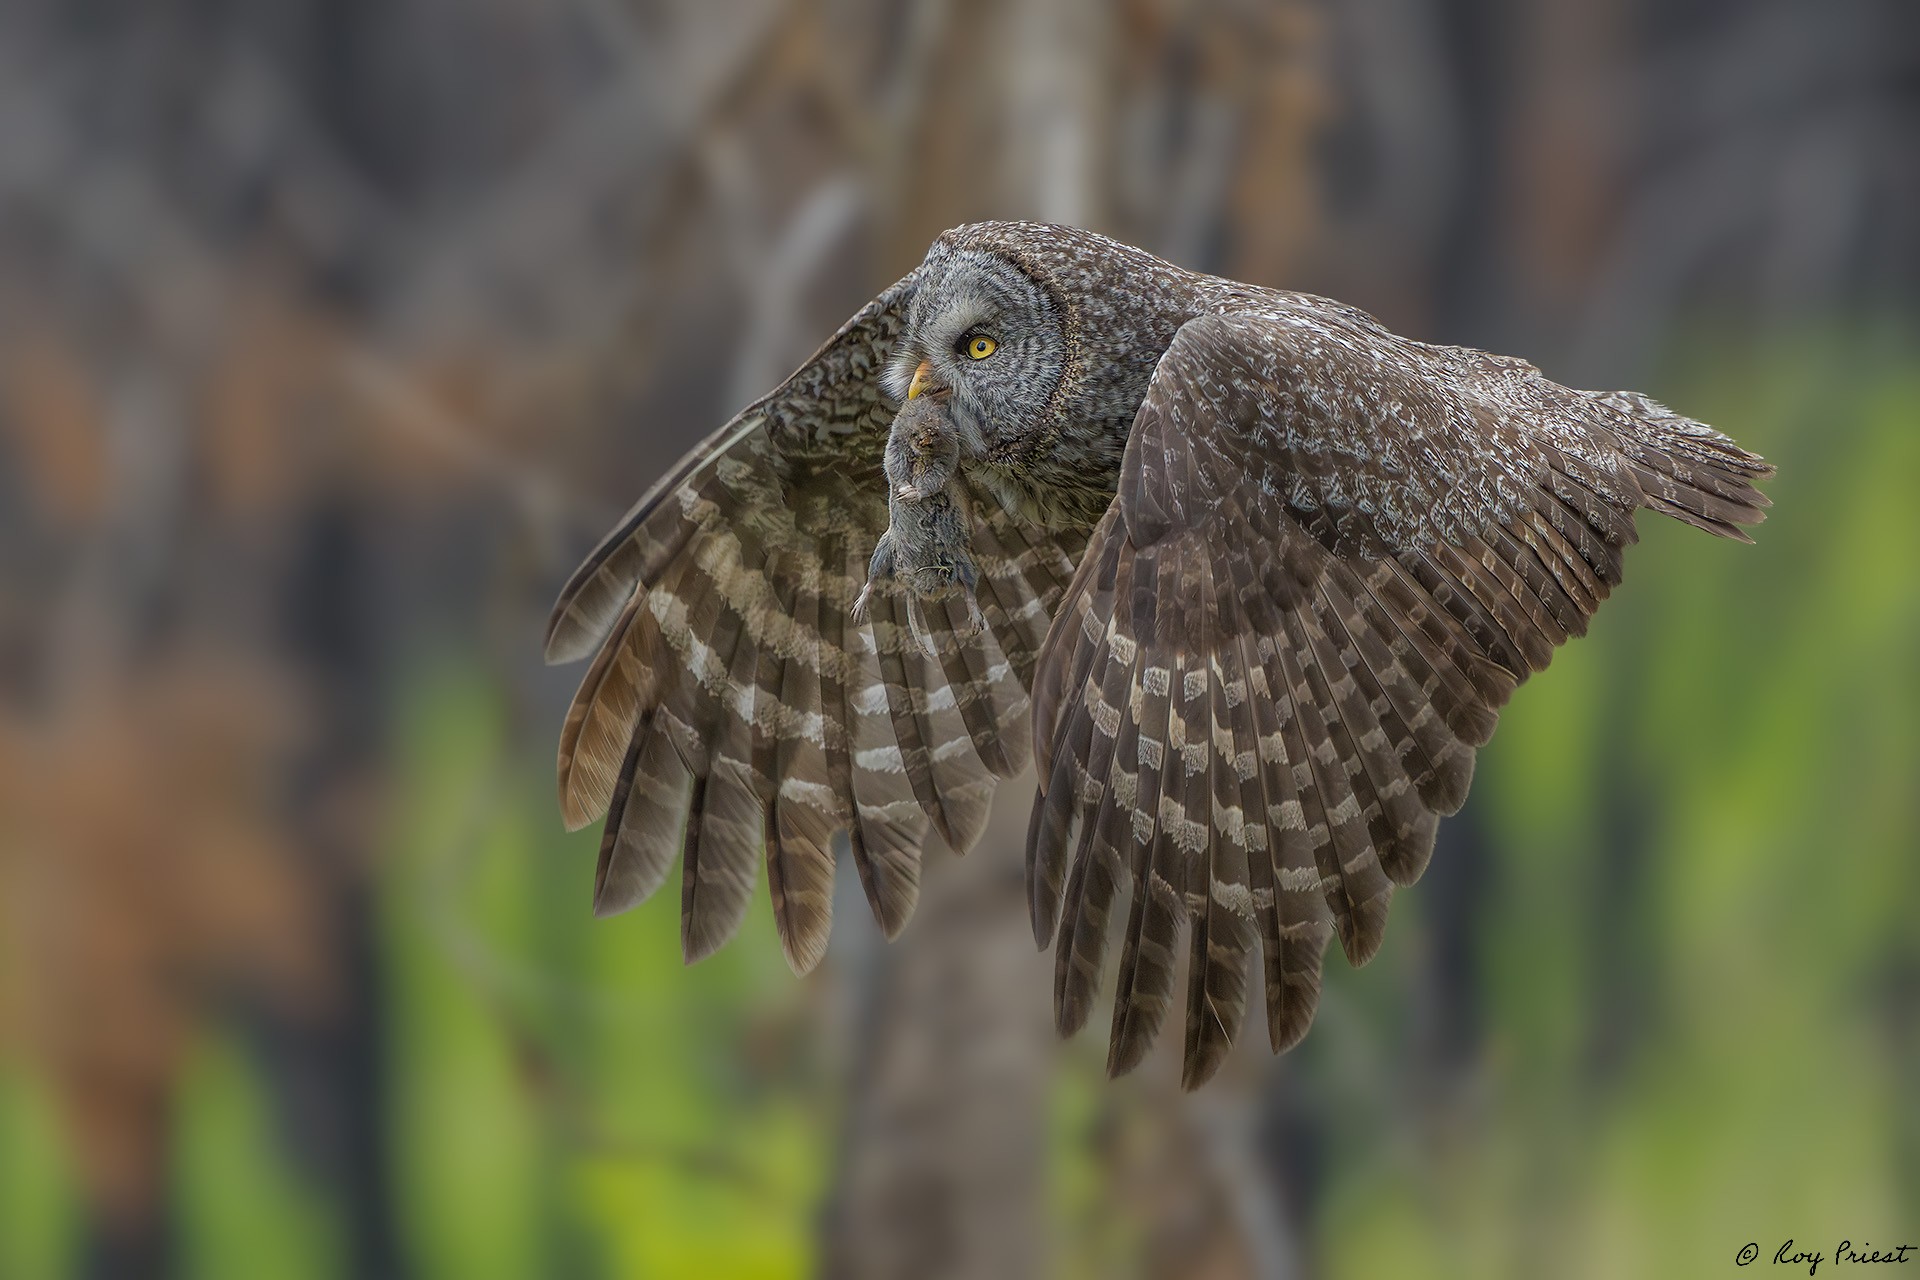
x,y
566,1089
238,1200
38,1199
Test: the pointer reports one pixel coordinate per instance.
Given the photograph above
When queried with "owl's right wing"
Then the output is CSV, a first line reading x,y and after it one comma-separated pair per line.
x,y
1332,556
734,710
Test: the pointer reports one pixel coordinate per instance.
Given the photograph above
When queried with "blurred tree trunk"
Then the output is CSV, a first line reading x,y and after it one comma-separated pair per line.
x,y
943,1164
943,1156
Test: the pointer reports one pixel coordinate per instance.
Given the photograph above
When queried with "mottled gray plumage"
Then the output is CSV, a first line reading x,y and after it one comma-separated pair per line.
x,y
1268,570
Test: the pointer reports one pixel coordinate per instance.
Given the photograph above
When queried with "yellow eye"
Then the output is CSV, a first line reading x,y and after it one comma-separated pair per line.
x,y
981,347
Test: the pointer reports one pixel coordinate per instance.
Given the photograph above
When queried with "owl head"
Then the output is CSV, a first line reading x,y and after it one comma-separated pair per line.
x,y
1042,339
991,341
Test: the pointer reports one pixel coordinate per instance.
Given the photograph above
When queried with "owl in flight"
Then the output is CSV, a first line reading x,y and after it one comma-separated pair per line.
x,y
1251,574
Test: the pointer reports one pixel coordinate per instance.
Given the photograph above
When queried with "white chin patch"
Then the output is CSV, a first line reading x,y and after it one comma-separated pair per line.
x,y
898,375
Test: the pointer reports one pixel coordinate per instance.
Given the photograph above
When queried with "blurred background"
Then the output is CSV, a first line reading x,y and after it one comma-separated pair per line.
x,y
333,332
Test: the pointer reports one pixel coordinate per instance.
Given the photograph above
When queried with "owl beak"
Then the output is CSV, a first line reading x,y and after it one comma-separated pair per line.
x,y
922,380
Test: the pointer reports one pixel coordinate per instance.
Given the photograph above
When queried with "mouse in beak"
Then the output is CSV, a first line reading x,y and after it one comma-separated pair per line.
x,y
926,551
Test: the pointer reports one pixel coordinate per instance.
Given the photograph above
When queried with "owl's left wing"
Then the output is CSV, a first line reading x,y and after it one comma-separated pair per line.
x,y
735,713
1332,556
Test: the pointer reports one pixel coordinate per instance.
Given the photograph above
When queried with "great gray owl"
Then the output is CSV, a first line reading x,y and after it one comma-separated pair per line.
x,y
1266,570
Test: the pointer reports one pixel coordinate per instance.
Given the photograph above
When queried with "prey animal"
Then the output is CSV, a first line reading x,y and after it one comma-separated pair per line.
x,y
1245,574
924,551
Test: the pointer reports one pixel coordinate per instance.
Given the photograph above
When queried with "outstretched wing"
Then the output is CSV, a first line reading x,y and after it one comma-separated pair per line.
x,y
734,711
1332,556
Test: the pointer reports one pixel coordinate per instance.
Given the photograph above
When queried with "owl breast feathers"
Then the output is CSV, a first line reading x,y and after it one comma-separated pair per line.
x,y
1251,575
